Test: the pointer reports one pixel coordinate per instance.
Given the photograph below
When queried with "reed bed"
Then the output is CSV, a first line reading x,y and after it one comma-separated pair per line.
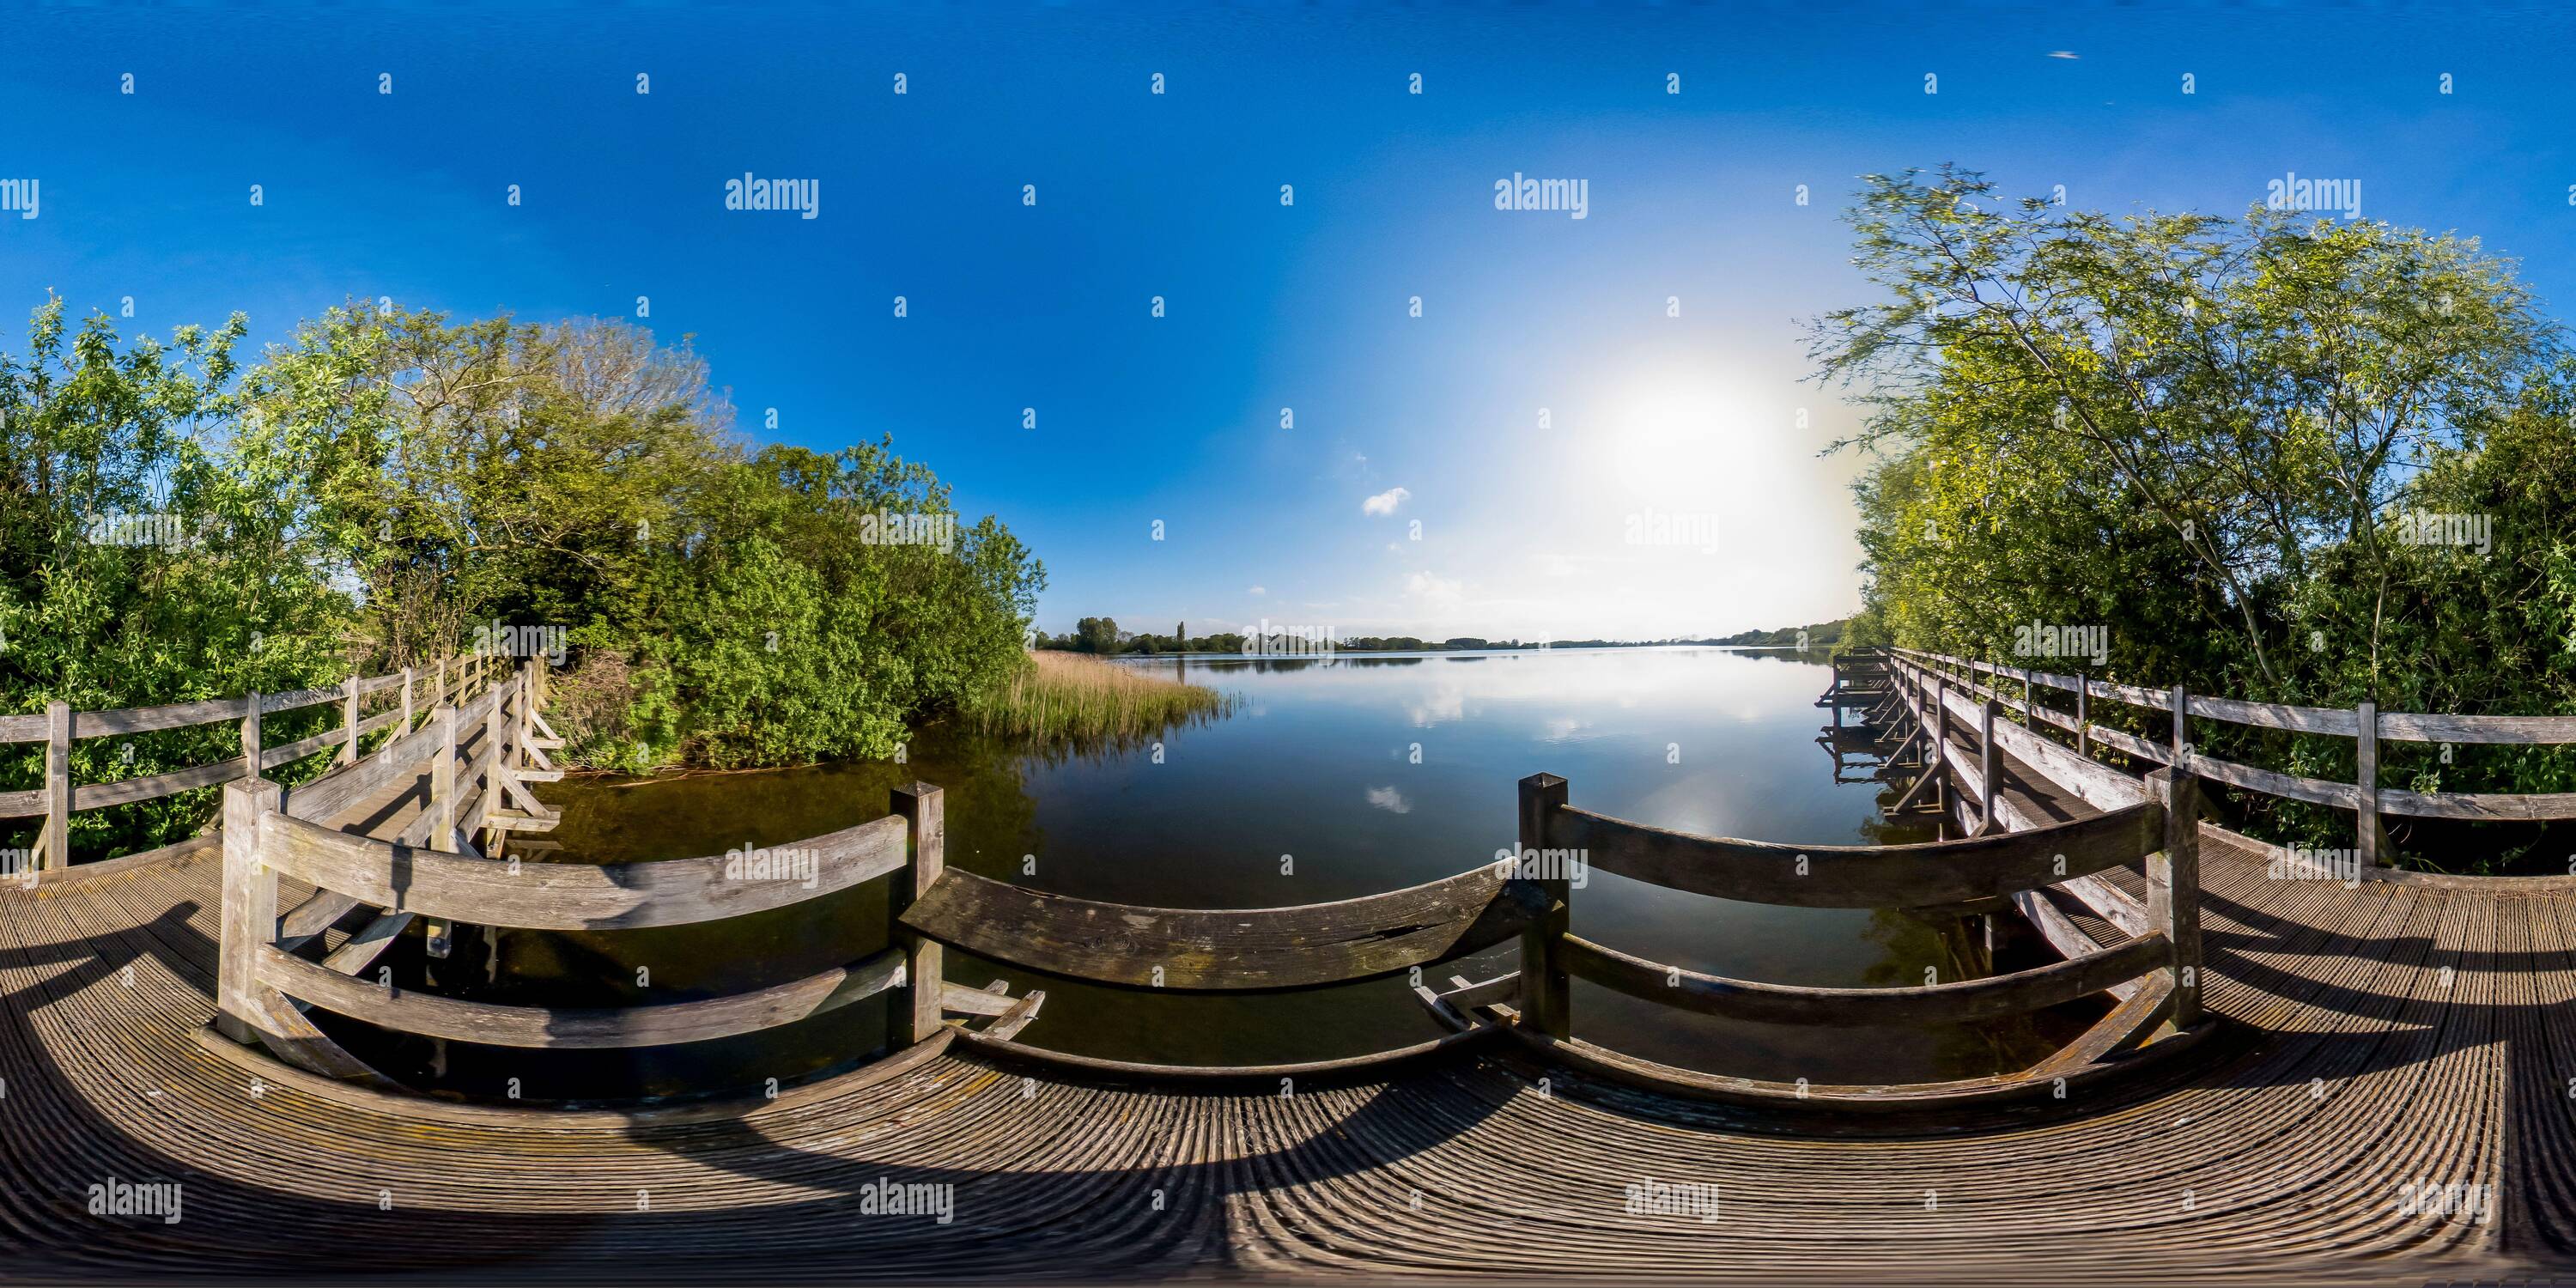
x,y
1071,698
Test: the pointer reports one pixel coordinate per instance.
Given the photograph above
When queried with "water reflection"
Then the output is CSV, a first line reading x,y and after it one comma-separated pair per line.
x,y
1336,778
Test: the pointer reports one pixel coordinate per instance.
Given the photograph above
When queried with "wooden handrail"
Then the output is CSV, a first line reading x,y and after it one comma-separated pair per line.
x,y
1953,1003
1224,950
574,896
556,1028
1929,874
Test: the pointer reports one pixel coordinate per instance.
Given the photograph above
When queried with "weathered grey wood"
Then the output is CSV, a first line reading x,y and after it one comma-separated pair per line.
x,y
2064,935
2099,785
311,917
2365,786
348,723
2083,719
2274,715
1205,950
915,1013
2315,791
1547,992
1957,1003
249,915
1130,1070
972,1001
127,791
2484,807
27,728
100,724
581,1029
575,896
1886,876
2173,885
300,748
2126,743
1467,997
26,804
2523,730
272,703
442,779
1986,766
327,796
369,943
57,836
1010,1022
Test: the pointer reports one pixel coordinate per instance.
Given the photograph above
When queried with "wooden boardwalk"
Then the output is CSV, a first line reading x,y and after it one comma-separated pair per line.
x,y
2389,1047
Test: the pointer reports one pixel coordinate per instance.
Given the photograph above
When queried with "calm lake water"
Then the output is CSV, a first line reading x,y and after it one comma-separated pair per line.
x,y
1332,779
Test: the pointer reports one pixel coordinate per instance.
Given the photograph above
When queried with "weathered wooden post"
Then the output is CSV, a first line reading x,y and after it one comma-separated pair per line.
x,y
495,745
2029,697
403,729
2083,720
442,818
1986,766
58,785
249,910
2173,884
914,1010
250,738
1546,993
2365,796
348,723
2182,725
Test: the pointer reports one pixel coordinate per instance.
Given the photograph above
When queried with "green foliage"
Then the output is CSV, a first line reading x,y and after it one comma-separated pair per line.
x,y
2202,435
386,483
135,568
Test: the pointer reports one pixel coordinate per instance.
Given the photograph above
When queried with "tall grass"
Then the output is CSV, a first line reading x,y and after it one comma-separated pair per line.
x,y
1083,701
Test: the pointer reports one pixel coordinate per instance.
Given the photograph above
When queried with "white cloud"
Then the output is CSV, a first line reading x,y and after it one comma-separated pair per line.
x,y
1432,591
1390,800
1258,590
1386,501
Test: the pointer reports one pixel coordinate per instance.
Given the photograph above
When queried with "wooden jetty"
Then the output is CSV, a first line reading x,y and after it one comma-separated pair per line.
x,y
2293,1080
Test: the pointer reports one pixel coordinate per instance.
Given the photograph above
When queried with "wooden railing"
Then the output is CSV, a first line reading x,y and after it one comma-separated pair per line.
x,y
2364,723
433,871
60,726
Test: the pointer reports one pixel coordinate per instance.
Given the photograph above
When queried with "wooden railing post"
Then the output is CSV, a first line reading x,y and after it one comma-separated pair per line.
x,y
2083,720
403,729
348,723
2029,697
2365,798
1546,993
442,814
249,910
2182,725
250,738
1986,766
914,1011
495,722
2173,885
58,785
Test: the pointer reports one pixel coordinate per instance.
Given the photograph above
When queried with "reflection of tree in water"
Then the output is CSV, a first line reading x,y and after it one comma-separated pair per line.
x,y
1955,947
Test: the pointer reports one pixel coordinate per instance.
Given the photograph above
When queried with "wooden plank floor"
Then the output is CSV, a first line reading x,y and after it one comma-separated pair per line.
x,y
2392,1035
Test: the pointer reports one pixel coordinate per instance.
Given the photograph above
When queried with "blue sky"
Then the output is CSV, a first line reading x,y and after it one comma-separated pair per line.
x,y
1522,529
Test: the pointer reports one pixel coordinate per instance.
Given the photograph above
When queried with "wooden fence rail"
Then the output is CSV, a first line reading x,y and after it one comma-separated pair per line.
x,y
2365,724
60,726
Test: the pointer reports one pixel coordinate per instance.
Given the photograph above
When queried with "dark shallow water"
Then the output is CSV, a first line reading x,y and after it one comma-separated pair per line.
x,y
1333,779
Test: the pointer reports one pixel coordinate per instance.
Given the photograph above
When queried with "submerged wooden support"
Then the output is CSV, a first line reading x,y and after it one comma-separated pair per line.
x,y
1545,989
915,1012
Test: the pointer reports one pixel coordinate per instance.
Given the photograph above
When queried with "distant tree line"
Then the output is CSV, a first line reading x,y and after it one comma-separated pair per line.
x,y
1102,635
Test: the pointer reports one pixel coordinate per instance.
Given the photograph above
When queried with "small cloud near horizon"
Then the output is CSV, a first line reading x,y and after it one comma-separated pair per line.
x,y
1258,590
2063,53
1386,501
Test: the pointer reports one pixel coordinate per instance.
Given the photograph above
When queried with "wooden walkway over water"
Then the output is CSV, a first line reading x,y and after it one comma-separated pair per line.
x,y
2384,1050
